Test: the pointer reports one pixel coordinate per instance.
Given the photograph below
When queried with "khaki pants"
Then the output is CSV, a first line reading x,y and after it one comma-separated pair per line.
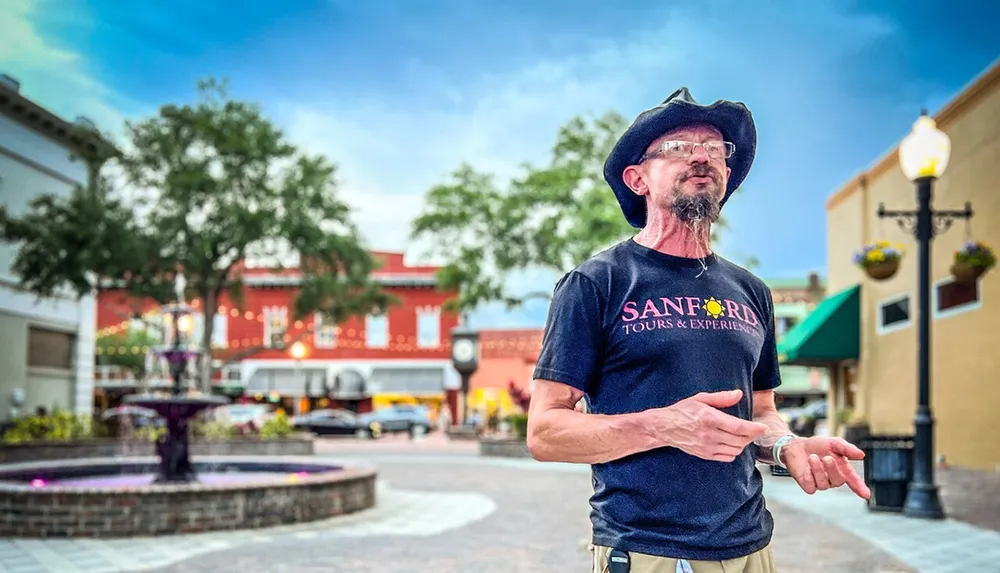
x,y
759,562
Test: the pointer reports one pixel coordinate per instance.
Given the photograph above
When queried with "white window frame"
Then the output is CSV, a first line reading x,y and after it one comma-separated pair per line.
x,y
220,330
368,331
197,328
880,328
267,314
166,329
136,325
429,313
324,335
957,309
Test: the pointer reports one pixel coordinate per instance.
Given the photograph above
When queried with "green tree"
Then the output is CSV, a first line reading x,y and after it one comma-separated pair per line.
x,y
212,183
551,217
127,349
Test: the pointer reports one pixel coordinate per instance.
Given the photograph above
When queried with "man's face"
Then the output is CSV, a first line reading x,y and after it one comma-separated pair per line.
x,y
684,179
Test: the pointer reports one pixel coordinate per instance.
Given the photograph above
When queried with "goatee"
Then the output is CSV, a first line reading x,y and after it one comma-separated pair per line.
x,y
703,204
701,207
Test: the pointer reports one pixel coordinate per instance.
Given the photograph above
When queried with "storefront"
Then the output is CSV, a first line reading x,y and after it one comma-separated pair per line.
x,y
829,338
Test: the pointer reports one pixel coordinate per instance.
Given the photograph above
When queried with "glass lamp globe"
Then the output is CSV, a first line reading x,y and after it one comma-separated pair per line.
x,y
925,151
185,324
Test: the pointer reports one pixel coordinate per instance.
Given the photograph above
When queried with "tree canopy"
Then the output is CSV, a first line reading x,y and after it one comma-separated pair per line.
x,y
209,184
126,349
552,216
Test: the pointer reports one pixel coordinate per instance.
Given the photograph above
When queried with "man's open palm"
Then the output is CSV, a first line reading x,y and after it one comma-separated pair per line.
x,y
820,463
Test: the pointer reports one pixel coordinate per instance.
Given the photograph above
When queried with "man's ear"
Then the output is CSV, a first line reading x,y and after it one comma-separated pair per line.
x,y
725,186
632,176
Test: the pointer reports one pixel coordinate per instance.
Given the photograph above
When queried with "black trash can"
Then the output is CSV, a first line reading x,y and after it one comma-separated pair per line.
x,y
779,471
888,470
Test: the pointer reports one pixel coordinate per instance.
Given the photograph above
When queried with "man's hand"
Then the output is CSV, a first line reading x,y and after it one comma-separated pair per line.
x,y
820,463
696,426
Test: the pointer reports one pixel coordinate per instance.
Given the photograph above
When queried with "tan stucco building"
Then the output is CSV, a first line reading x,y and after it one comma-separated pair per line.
x,y
879,384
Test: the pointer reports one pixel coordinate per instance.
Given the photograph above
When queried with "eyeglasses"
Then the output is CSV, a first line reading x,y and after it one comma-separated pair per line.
x,y
684,149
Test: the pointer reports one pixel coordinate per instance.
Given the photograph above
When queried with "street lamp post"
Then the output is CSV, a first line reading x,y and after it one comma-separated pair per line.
x,y
923,157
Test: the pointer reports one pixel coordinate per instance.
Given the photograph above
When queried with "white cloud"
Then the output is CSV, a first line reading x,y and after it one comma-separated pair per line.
x,y
53,76
390,155
391,152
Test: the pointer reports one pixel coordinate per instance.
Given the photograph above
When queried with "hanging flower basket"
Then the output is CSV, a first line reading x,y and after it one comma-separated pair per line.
x,y
972,261
880,260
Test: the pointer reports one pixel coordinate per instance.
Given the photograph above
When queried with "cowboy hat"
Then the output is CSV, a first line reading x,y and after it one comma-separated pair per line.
x,y
733,119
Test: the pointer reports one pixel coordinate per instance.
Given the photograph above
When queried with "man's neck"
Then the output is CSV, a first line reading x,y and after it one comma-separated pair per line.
x,y
672,237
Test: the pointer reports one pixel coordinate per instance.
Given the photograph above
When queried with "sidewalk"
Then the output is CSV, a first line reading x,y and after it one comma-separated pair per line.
x,y
947,546
968,541
971,496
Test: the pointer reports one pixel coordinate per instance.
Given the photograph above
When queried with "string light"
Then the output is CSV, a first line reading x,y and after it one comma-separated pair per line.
x,y
354,339
492,348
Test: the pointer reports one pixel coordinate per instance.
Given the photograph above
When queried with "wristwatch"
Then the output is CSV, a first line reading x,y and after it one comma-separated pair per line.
x,y
776,449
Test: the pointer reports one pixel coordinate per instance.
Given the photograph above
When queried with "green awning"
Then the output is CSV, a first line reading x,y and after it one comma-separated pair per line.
x,y
830,333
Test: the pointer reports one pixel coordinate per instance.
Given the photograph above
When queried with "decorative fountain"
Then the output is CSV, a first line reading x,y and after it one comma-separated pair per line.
x,y
127,496
177,410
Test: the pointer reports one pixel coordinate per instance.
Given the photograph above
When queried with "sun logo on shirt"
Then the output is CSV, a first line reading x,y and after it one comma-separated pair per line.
x,y
713,307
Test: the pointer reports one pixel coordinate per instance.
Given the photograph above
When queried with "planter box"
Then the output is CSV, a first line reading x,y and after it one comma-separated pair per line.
x,y
504,447
462,433
297,445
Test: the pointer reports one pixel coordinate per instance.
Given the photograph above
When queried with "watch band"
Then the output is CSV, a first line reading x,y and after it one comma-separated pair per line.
x,y
776,449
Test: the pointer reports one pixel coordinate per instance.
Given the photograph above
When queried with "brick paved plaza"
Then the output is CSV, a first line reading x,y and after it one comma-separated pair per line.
x,y
538,525
442,508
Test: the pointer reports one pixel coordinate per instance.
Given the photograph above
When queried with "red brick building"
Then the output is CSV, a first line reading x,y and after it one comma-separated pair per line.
x,y
401,356
508,355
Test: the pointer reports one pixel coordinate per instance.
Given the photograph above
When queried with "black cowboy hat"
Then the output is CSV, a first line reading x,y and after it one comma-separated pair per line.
x,y
733,119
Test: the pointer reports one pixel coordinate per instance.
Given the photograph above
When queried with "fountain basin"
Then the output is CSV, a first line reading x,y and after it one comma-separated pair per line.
x,y
113,497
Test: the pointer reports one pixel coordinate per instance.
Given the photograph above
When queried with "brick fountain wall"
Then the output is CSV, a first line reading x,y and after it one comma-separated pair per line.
x,y
183,508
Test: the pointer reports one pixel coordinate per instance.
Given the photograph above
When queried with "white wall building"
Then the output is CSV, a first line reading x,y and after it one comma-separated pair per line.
x,y
46,346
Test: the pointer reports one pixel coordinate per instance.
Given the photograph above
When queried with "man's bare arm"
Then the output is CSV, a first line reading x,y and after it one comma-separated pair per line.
x,y
766,412
557,433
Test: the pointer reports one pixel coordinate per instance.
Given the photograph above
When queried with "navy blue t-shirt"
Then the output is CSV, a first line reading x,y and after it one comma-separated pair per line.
x,y
636,329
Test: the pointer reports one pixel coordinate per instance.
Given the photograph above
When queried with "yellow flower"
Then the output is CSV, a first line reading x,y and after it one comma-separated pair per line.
x,y
881,244
876,256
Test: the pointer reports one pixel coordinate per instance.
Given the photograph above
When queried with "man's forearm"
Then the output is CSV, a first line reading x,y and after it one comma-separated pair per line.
x,y
777,428
562,435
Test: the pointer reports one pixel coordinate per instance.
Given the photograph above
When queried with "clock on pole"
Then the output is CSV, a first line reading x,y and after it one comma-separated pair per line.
x,y
465,358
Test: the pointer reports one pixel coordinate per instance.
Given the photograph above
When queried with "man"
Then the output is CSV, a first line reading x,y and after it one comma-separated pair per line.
x,y
674,350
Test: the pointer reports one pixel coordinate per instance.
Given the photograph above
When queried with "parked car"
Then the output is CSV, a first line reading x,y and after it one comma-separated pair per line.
x,y
789,414
330,422
803,420
412,419
242,415
120,420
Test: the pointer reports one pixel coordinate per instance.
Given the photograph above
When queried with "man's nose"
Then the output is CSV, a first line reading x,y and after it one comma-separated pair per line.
x,y
698,155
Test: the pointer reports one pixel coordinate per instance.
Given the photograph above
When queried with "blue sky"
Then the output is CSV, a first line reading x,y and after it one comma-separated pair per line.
x,y
399,92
